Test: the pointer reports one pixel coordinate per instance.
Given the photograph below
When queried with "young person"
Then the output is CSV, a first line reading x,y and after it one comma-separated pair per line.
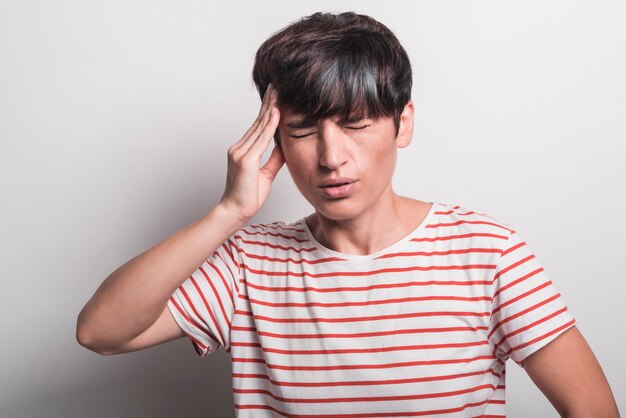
x,y
376,304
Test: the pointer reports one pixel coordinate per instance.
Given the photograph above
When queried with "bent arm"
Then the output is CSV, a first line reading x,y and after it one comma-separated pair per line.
x,y
128,311
569,375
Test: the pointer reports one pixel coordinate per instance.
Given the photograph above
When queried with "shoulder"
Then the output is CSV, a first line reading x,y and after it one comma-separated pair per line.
x,y
460,220
277,232
468,218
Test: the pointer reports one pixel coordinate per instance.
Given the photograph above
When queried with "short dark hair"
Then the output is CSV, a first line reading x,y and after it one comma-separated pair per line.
x,y
328,65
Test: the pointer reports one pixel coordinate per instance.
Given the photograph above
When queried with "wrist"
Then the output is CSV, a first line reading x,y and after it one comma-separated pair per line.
x,y
227,218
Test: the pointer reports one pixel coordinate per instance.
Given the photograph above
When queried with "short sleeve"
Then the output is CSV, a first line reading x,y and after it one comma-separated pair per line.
x,y
527,310
204,305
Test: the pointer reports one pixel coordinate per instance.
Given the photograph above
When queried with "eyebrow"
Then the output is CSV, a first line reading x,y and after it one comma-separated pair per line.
x,y
308,122
302,123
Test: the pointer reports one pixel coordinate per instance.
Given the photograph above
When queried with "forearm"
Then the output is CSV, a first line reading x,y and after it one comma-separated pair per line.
x,y
134,295
120,315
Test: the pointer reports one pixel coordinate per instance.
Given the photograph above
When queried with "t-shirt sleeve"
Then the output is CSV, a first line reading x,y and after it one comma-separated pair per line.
x,y
204,305
527,310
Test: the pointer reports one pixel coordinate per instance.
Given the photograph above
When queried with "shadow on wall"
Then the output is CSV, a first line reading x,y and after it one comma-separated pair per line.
x,y
161,382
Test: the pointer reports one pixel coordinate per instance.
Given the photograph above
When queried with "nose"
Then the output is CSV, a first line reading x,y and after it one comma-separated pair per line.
x,y
332,147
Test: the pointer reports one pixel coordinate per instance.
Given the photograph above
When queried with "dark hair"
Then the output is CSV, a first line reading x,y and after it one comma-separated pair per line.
x,y
328,65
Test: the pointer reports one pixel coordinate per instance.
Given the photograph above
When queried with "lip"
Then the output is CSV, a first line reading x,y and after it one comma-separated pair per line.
x,y
339,187
336,181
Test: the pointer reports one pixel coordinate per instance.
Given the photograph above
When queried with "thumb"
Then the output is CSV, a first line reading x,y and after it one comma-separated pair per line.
x,y
273,164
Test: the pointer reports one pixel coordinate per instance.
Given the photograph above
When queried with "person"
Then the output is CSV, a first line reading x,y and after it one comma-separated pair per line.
x,y
376,304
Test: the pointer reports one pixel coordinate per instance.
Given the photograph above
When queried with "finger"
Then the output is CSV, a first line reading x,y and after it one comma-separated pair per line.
x,y
261,119
265,136
273,164
260,128
266,97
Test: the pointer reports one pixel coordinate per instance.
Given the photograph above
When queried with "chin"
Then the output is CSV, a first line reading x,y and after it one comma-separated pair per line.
x,y
337,210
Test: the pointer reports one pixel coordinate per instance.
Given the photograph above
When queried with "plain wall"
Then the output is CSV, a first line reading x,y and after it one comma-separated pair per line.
x,y
115,118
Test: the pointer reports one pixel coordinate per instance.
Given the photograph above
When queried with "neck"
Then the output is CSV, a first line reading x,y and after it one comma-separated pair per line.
x,y
373,230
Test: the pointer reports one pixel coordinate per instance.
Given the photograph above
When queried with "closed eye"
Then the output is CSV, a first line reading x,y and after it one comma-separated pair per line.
x,y
302,136
347,127
358,127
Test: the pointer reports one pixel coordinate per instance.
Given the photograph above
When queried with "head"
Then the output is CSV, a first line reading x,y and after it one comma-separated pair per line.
x,y
336,65
344,86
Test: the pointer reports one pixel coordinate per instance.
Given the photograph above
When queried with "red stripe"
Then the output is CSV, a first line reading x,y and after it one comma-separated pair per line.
x,y
364,303
215,292
362,382
501,272
289,260
546,335
236,265
469,222
230,254
276,226
524,312
434,253
233,282
358,366
190,303
188,319
513,248
359,318
275,246
366,415
208,308
365,398
275,234
224,282
460,236
302,274
360,350
366,288
526,328
453,210
358,334
522,296
517,281
448,212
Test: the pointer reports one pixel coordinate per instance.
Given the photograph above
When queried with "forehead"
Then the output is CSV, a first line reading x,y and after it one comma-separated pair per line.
x,y
294,120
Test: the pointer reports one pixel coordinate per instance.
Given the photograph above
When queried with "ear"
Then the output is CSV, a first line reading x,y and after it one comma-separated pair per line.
x,y
405,127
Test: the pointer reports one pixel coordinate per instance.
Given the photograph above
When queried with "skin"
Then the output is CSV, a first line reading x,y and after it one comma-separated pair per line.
x,y
567,372
128,312
364,150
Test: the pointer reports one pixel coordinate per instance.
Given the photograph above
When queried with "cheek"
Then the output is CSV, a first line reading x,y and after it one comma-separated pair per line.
x,y
388,155
297,156
297,163
385,160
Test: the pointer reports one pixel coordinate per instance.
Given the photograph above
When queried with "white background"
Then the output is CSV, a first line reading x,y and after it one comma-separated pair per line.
x,y
115,118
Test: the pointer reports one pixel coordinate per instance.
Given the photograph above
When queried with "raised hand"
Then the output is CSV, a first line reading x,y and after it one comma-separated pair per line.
x,y
114,322
248,184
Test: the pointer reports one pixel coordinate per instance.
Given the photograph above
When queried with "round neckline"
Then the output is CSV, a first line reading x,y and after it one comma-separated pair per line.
x,y
368,257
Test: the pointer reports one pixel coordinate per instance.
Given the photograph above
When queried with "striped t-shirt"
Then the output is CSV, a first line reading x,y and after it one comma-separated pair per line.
x,y
421,328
